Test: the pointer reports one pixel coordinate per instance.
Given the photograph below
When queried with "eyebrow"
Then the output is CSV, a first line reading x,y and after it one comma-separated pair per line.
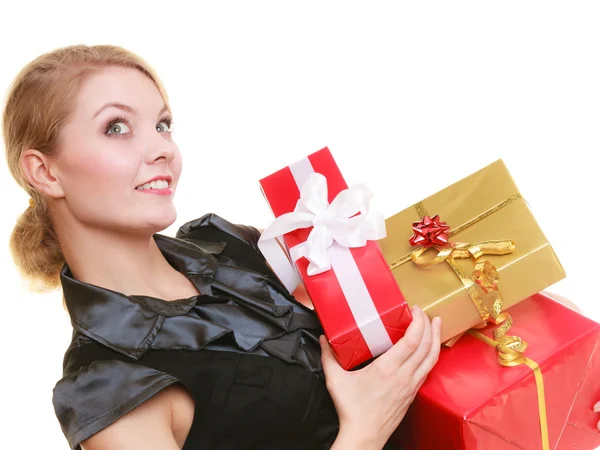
x,y
124,107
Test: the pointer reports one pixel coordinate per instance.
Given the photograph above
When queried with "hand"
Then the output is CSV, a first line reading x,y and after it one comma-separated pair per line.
x,y
375,398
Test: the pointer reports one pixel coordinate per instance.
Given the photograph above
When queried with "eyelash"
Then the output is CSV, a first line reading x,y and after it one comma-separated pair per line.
x,y
167,119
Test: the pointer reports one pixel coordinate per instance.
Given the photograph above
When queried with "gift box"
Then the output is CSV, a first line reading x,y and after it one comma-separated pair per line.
x,y
330,238
471,401
484,217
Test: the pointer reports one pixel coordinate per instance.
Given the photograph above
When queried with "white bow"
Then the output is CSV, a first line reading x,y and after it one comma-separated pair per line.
x,y
335,222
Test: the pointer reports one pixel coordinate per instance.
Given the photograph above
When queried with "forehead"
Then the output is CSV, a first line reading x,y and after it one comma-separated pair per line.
x,y
122,85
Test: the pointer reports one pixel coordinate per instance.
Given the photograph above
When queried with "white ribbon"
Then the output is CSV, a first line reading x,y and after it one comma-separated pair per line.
x,y
335,222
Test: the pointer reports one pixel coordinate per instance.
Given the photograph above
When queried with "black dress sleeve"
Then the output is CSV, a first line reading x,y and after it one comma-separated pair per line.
x,y
235,243
93,397
198,229
243,270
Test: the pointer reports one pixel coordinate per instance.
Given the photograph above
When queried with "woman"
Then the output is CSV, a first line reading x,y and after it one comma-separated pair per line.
x,y
188,342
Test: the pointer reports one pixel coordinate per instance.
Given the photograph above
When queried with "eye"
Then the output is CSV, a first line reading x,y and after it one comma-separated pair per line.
x,y
164,126
118,128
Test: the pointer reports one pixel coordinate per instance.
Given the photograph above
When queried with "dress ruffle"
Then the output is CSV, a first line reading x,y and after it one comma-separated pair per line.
x,y
243,308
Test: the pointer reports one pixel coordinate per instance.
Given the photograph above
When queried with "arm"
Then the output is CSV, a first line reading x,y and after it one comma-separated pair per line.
x,y
147,427
354,441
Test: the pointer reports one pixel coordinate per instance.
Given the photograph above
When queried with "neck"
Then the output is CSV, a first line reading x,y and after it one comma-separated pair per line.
x,y
131,264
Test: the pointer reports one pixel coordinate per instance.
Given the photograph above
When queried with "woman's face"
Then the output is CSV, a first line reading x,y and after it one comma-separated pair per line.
x,y
117,164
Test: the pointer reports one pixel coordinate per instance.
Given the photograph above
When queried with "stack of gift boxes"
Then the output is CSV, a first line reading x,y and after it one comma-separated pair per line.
x,y
517,370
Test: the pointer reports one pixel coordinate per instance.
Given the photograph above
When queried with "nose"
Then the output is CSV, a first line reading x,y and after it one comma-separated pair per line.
x,y
160,149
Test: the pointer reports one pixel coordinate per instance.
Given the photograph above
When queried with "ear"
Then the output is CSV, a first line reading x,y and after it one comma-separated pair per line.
x,y
37,170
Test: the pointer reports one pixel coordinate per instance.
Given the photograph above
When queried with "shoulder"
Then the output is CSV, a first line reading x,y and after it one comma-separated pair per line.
x,y
92,395
148,426
211,226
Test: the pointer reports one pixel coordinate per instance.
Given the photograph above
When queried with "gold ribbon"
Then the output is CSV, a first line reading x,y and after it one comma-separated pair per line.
x,y
483,270
509,349
423,212
485,274
509,357
480,275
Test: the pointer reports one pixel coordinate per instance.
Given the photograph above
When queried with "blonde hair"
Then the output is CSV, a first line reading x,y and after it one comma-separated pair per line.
x,y
40,101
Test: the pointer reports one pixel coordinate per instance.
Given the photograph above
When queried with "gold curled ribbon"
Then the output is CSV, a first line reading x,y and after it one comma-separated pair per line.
x,y
485,274
449,253
510,358
423,212
509,349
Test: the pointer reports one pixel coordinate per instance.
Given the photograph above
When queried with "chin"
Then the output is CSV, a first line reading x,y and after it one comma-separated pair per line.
x,y
161,225
157,223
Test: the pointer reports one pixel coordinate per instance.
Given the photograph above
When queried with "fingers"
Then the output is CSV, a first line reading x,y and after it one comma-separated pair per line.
x,y
434,350
415,360
416,353
405,347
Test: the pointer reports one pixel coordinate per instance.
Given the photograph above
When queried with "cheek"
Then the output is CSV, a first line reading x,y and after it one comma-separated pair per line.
x,y
100,171
176,166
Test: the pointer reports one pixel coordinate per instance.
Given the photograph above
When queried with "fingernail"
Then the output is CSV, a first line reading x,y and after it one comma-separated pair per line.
x,y
437,321
597,407
416,309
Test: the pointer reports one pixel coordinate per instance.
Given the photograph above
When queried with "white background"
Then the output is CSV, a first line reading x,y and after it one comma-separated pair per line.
x,y
409,98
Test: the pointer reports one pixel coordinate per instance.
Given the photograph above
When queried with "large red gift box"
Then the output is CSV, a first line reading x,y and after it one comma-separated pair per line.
x,y
469,401
357,299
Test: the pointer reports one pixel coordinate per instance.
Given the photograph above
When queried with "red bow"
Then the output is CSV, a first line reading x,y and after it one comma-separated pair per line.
x,y
429,232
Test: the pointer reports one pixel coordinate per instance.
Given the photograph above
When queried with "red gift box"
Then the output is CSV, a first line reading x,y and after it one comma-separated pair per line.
x,y
469,401
357,300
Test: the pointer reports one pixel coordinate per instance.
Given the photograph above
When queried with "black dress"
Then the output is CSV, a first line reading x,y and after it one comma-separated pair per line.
x,y
245,349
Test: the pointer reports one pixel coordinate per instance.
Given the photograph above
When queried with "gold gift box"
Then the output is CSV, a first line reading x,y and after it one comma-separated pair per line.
x,y
484,206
